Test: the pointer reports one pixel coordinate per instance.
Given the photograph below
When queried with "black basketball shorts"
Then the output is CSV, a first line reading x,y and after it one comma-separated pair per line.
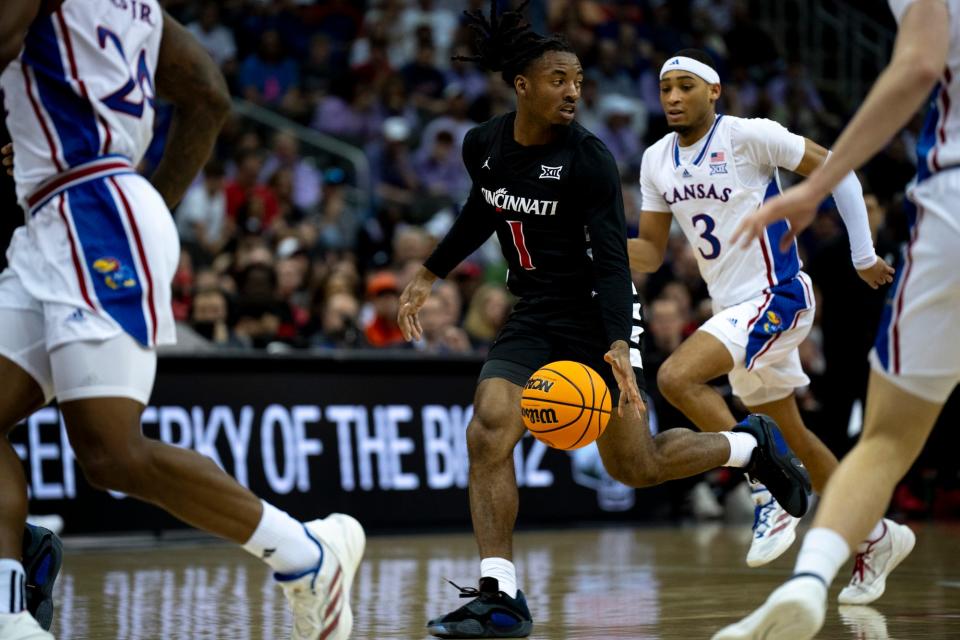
x,y
542,331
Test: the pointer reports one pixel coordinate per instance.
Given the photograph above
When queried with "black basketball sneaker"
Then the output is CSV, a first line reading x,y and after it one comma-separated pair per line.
x,y
776,466
491,614
42,557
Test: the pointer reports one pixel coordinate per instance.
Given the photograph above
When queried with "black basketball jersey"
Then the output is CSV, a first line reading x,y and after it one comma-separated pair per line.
x,y
557,210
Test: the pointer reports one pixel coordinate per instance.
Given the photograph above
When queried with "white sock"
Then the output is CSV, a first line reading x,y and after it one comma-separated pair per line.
x,y
282,542
878,530
13,598
741,448
504,571
823,553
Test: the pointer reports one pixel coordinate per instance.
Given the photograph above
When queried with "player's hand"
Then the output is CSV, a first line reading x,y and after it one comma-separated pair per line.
x,y
7,152
878,275
412,298
798,206
619,360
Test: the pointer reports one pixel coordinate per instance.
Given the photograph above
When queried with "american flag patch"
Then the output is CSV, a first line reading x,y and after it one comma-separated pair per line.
x,y
716,156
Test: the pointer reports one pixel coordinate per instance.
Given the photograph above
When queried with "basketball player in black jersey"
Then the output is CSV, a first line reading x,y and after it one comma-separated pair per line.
x,y
551,192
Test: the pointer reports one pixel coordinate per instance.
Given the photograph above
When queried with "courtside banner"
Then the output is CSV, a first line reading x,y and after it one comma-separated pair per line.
x,y
381,438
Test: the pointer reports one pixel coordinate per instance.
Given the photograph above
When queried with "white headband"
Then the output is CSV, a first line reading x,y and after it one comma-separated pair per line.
x,y
681,63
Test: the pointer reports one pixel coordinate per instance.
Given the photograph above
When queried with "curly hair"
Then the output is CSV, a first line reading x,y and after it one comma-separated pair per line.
x,y
506,43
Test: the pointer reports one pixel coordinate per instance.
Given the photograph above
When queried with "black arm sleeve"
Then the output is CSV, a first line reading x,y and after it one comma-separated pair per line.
x,y
598,179
471,228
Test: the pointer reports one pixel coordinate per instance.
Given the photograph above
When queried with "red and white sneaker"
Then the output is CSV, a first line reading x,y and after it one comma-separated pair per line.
x,y
320,597
774,530
872,566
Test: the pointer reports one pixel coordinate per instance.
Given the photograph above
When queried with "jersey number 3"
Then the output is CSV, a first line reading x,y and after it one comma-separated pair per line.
x,y
707,234
516,230
118,100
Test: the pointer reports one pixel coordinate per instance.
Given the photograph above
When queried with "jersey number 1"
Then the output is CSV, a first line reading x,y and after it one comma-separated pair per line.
x,y
516,229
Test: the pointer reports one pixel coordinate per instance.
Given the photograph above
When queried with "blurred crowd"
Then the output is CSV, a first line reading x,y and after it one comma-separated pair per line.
x,y
283,249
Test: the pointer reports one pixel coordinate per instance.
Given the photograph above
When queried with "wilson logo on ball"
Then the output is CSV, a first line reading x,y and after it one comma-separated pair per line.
x,y
539,384
539,416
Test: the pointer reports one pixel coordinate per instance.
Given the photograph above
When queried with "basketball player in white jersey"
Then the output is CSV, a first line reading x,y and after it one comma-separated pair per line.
x,y
707,175
86,298
915,363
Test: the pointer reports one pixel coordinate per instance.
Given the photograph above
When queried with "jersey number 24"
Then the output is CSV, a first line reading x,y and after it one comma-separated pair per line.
x,y
118,100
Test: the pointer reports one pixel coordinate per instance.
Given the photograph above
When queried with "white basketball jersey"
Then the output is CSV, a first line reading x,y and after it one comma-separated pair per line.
x,y
710,186
938,147
82,87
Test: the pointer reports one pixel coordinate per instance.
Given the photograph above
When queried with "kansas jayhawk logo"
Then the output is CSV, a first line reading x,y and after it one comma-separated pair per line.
x,y
772,323
115,274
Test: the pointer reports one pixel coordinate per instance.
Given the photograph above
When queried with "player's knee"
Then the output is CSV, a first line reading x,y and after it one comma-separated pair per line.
x,y
110,469
487,433
635,473
671,381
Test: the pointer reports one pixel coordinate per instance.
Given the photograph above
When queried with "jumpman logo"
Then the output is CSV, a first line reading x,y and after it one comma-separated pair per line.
x,y
486,163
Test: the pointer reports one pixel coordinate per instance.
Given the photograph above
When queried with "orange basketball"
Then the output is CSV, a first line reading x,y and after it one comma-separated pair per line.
x,y
565,405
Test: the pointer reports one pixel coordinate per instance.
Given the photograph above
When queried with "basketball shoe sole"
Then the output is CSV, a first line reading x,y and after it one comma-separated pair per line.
x,y
321,598
42,558
795,611
776,466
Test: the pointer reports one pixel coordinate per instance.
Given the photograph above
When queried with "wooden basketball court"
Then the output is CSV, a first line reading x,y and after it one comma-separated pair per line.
x,y
596,584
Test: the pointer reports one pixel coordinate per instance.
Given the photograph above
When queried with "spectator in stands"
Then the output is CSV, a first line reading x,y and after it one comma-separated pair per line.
x,y
252,206
383,294
351,112
472,81
440,332
391,164
339,324
440,169
305,175
319,71
424,81
619,130
486,314
340,214
202,215
441,21
269,77
208,318
215,37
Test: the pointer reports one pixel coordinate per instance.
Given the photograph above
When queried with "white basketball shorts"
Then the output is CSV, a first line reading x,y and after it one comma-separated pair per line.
x,y
86,297
762,336
917,346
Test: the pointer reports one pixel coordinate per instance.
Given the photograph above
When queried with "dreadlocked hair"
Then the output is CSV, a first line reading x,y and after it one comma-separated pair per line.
x,y
506,43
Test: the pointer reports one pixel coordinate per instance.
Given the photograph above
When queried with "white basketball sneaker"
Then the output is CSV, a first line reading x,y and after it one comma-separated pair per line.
x,y
22,626
320,597
795,611
774,530
872,566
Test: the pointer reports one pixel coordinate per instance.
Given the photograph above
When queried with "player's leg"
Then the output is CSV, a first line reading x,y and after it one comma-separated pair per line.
x,y
27,385
492,435
314,562
632,456
500,609
683,380
774,530
855,499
